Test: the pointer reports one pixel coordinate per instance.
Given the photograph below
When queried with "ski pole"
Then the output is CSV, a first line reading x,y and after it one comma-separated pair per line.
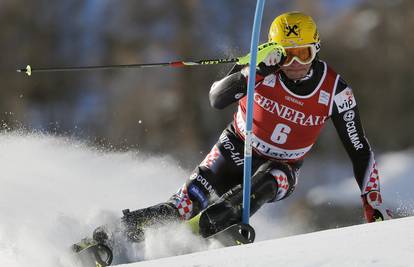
x,y
248,151
29,70
265,49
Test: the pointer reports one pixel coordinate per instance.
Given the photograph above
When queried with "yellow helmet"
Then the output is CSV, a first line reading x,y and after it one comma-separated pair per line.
x,y
293,29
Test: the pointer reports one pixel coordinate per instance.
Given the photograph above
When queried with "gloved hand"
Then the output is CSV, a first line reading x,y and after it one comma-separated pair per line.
x,y
373,209
269,58
272,62
275,55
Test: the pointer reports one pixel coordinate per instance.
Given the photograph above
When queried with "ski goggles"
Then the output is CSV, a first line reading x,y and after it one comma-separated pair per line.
x,y
304,54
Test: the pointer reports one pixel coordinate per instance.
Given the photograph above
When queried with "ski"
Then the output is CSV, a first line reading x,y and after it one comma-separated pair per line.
x,y
93,253
234,235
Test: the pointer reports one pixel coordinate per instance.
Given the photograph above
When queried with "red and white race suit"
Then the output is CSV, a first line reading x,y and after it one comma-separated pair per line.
x,y
286,125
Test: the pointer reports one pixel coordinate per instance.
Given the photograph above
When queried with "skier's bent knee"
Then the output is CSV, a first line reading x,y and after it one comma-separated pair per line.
x,y
195,195
282,173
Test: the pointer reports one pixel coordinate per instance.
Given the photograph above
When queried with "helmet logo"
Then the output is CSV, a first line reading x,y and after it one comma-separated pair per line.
x,y
292,29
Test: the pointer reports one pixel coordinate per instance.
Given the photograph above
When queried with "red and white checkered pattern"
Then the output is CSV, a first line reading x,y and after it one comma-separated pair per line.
x,y
282,183
185,208
374,199
373,180
373,205
211,157
184,203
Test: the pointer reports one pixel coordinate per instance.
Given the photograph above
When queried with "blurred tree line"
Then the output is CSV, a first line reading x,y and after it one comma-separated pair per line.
x,y
162,110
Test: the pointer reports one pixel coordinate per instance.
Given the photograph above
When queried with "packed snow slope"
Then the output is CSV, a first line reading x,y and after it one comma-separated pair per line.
x,y
55,191
383,244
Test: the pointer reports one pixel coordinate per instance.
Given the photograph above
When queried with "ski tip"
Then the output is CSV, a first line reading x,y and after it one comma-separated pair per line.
x,y
76,248
27,70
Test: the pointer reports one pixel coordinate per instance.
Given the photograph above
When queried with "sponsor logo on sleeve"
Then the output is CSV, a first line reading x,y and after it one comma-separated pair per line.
x,y
236,156
203,181
351,129
345,100
198,193
349,115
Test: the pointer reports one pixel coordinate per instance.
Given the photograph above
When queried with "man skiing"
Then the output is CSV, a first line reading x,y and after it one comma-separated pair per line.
x,y
295,94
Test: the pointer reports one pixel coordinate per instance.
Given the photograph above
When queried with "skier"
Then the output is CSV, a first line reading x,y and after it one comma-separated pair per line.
x,y
295,94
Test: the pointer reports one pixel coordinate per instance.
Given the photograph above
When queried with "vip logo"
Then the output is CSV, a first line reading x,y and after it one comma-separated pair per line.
x,y
292,29
345,100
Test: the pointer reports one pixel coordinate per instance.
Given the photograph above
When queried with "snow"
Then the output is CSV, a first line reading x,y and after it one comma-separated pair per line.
x,y
56,190
389,243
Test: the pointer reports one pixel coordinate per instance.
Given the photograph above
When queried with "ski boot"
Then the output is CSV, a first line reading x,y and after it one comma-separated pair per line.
x,y
135,222
222,223
108,241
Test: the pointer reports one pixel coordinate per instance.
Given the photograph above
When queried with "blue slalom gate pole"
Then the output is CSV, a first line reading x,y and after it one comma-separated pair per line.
x,y
249,112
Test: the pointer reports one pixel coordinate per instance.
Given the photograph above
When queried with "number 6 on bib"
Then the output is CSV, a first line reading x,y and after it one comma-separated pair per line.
x,y
280,133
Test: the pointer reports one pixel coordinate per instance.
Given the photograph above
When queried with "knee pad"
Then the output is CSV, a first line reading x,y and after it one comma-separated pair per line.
x,y
284,176
263,190
195,195
283,186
